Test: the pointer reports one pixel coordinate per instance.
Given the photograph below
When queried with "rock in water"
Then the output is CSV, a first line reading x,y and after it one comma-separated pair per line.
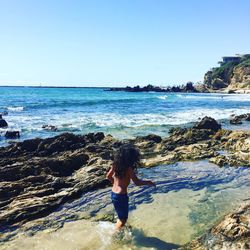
x,y
49,127
12,134
3,123
236,120
208,123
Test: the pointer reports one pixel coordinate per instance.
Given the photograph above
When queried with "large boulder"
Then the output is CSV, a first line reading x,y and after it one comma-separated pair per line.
x,y
207,123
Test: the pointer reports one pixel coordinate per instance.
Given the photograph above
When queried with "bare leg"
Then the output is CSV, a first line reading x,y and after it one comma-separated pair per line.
x,y
120,223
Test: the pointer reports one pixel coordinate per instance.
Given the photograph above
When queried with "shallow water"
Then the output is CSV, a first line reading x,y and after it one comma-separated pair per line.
x,y
189,198
122,114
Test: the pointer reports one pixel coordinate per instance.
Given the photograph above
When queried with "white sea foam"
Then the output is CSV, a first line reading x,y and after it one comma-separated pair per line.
x,y
162,97
16,109
218,96
79,121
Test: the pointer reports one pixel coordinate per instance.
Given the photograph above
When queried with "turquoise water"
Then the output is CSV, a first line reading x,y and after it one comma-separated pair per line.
x,y
122,114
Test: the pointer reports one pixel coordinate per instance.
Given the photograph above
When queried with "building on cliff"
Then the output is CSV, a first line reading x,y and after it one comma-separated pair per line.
x,y
236,59
227,59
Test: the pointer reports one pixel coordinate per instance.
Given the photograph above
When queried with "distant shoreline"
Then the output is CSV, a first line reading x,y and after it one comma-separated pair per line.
x,y
51,87
116,89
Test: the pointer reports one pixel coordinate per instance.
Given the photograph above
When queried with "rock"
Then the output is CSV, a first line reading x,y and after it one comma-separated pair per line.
x,y
12,134
3,113
29,145
237,119
39,175
219,83
231,91
247,117
229,160
67,163
99,136
105,217
186,136
189,87
3,123
208,123
232,232
49,127
150,137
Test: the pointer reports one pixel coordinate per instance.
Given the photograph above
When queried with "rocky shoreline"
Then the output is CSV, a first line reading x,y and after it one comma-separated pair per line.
x,y
188,87
38,175
232,232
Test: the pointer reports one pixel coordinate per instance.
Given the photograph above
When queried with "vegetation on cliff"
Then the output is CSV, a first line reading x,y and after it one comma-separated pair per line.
x,y
232,75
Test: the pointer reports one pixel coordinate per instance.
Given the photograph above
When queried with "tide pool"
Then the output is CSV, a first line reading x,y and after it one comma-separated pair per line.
x,y
189,198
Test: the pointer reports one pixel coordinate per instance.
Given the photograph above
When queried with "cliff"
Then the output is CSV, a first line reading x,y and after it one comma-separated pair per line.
x,y
230,75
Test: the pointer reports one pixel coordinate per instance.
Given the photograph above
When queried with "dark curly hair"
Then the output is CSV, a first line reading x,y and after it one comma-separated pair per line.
x,y
126,156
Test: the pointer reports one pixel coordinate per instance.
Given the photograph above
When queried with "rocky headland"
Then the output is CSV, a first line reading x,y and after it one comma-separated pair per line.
x,y
38,175
232,76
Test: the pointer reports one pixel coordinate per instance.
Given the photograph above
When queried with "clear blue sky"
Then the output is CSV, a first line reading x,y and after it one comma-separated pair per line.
x,y
119,42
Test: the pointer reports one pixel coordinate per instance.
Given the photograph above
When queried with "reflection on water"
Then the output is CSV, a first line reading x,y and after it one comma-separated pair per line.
x,y
188,199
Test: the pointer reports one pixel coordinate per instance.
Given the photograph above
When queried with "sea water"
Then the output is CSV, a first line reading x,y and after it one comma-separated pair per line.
x,y
190,197
122,114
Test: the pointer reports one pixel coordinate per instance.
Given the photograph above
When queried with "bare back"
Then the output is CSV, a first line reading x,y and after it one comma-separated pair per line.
x,y
120,185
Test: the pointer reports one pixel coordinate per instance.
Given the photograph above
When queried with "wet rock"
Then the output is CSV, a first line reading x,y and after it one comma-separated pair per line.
x,y
237,120
38,175
49,127
208,123
229,160
151,137
12,134
60,143
99,136
185,136
3,123
67,163
29,145
105,217
233,232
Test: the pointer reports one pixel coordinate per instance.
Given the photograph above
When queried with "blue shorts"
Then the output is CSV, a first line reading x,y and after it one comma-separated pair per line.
x,y
120,202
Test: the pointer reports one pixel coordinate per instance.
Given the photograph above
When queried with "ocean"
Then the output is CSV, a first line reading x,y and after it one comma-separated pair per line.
x,y
122,114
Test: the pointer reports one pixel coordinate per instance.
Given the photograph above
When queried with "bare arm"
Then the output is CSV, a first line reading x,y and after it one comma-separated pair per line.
x,y
139,182
110,174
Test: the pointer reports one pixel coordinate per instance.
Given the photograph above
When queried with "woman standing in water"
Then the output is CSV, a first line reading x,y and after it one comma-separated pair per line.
x,y
122,171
